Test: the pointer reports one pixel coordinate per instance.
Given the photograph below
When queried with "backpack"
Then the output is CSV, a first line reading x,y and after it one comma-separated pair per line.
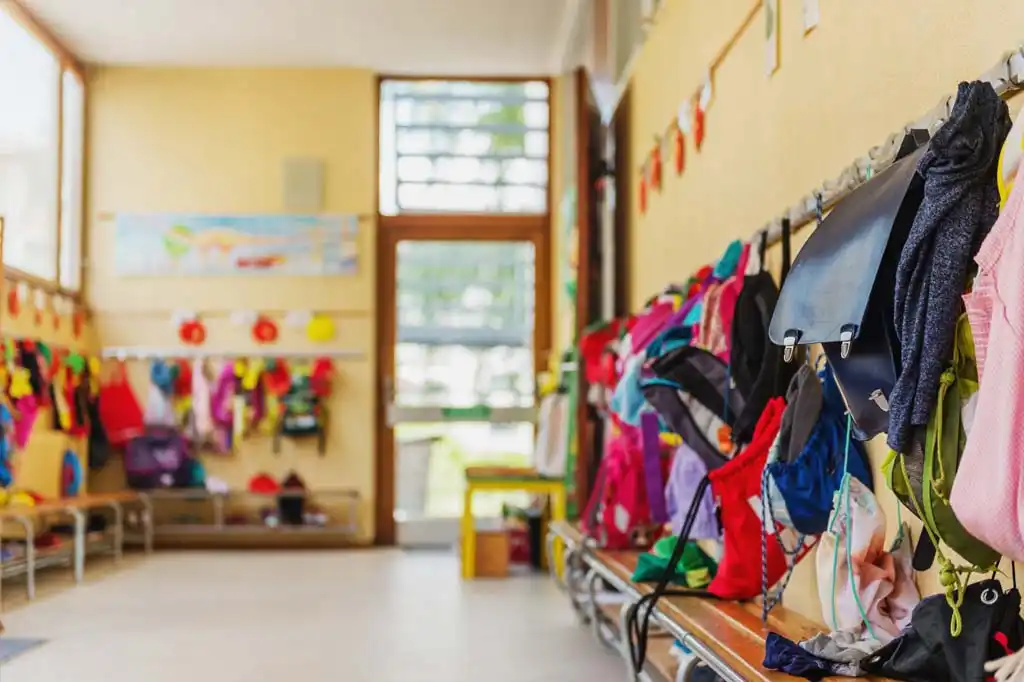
x,y
923,482
755,363
690,390
618,515
159,458
303,415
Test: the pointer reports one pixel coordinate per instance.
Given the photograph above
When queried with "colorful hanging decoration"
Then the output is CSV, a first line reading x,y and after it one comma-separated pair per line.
x,y
656,166
698,128
77,323
13,302
642,194
679,150
320,329
264,330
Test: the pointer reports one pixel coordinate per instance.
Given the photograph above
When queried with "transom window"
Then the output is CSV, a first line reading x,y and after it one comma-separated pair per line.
x,y
464,147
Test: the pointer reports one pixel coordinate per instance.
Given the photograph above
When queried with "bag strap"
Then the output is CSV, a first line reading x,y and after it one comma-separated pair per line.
x,y
787,255
638,617
650,435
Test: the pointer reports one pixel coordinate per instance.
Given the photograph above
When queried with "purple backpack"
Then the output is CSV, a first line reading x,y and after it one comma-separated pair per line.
x,y
159,458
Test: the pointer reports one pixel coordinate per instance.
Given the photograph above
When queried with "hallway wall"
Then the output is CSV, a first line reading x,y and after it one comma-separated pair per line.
x,y
213,140
868,68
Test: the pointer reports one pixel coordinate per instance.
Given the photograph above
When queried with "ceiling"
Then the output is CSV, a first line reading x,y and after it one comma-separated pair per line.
x,y
443,37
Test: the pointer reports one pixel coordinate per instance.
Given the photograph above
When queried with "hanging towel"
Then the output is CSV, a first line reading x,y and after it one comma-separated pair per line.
x,y
960,205
202,414
987,491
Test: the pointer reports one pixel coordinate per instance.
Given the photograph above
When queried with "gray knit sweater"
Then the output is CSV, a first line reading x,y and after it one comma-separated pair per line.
x,y
960,205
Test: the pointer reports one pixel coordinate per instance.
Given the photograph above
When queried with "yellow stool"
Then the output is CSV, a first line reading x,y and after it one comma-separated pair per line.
x,y
508,479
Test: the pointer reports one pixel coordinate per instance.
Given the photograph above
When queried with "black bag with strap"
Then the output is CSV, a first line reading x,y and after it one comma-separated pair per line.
x,y
840,290
756,366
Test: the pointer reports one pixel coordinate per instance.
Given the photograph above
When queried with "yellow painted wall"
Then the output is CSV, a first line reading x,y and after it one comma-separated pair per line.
x,y
38,465
213,140
868,68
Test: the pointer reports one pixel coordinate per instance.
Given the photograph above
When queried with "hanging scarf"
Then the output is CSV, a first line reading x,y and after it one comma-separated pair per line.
x,y
960,205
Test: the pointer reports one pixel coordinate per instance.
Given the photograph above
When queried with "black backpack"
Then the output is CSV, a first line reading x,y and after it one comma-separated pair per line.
x,y
756,365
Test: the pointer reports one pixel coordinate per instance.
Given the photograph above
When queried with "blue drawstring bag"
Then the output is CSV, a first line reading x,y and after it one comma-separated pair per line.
x,y
805,466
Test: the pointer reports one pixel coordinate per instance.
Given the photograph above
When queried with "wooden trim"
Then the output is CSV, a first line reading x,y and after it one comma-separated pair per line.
x,y
60,173
623,205
583,237
67,62
28,21
464,79
483,227
44,285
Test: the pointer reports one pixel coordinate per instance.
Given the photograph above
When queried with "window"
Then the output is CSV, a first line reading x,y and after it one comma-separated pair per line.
x,y
42,125
464,147
72,168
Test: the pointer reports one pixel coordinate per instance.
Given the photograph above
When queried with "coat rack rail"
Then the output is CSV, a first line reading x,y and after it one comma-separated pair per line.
x,y
1006,77
143,353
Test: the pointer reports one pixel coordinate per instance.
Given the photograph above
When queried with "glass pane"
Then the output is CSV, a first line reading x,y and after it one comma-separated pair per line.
x,y
465,324
431,459
73,151
29,78
454,146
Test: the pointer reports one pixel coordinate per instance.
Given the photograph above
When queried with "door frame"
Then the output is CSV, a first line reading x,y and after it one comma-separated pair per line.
x,y
479,228
454,227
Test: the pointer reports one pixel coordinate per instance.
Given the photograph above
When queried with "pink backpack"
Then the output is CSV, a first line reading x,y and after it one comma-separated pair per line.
x,y
618,515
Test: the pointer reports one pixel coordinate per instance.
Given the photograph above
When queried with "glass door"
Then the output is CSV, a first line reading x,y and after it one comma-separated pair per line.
x,y
462,391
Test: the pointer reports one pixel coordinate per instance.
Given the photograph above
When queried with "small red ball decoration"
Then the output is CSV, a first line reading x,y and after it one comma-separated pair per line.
x,y
192,332
265,330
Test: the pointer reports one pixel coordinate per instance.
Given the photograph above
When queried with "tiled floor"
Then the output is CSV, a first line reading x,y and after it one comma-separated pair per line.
x,y
357,616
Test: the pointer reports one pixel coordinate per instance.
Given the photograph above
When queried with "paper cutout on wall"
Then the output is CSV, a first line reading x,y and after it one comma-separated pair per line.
x,y
771,36
812,15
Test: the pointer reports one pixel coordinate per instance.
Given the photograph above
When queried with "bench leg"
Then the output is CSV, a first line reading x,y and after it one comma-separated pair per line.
x,y
147,522
550,559
573,572
79,548
30,554
468,535
558,513
118,531
598,623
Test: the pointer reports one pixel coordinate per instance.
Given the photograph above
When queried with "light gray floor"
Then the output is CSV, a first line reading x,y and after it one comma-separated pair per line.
x,y
357,616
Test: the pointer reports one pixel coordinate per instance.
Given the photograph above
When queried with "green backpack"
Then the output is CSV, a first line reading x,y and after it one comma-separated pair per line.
x,y
303,415
923,484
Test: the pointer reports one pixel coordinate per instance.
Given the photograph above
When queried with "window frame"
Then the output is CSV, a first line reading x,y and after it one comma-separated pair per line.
x,y
553,111
67,62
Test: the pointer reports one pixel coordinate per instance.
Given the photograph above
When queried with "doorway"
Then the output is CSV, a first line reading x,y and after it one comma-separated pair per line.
x,y
464,274
465,332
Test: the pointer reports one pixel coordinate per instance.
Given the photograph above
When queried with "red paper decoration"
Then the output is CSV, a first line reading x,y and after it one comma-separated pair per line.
x,y
265,330
656,166
38,318
679,149
56,321
76,324
643,193
192,332
698,127
13,304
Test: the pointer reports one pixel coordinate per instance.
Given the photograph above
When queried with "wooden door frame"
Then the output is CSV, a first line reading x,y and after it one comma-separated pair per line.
x,y
489,228
585,238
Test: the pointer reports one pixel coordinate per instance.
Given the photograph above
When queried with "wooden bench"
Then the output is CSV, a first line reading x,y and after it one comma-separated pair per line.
x,y
77,509
728,636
